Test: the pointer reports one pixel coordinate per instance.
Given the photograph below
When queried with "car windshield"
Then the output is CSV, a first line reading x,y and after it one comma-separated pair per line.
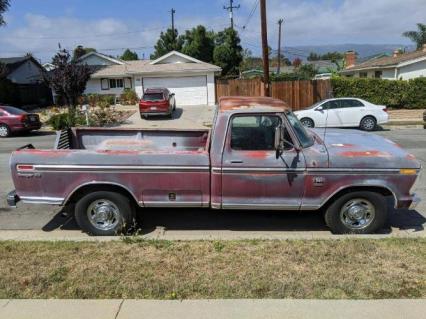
x,y
305,139
13,110
153,96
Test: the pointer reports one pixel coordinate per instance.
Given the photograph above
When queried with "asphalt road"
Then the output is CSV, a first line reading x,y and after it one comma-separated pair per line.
x,y
49,218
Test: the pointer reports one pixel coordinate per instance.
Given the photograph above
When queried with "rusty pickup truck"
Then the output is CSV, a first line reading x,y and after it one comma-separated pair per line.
x,y
256,156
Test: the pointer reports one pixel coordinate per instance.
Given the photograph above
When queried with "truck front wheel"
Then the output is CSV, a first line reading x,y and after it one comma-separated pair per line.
x,y
361,212
104,213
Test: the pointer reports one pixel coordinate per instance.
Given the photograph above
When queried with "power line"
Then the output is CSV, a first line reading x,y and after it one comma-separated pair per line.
x,y
253,10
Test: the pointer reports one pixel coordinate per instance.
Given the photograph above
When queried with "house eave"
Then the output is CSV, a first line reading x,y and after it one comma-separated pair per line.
x,y
368,68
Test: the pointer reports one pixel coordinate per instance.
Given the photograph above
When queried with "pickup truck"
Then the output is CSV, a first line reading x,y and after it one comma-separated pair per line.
x,y
256,156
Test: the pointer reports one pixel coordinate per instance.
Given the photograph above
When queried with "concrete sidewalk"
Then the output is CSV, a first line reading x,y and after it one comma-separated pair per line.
x,y
161,234
206,309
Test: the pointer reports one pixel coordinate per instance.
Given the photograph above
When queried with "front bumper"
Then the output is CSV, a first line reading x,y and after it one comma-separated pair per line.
x,y
12,199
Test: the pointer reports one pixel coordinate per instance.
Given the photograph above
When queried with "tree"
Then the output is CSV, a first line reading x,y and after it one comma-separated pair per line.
x,y
68,80
418,37
199,44
297,62
228,53
314,57
167,42
4,6
79,51
129,55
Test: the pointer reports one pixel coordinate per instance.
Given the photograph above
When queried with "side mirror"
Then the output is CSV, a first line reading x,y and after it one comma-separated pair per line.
x,y
278,141
319,108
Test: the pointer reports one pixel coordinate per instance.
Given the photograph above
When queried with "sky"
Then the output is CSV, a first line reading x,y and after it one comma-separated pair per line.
x,y
110,26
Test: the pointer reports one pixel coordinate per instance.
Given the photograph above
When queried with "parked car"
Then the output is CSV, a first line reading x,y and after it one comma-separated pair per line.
x,y
14,120
157,101
344,112
107,173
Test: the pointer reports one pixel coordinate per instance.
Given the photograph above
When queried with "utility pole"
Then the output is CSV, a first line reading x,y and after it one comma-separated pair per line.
x,y
173,24
264,47
280,21
231,11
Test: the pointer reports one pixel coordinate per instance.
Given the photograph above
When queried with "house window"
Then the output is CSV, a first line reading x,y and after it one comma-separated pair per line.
x,y
116,83
362,74
378,74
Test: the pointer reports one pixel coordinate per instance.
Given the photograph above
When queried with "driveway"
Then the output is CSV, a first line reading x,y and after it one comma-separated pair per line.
x,y
184,223
191,116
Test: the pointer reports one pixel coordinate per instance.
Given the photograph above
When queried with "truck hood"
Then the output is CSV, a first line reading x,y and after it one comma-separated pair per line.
x,y
357,149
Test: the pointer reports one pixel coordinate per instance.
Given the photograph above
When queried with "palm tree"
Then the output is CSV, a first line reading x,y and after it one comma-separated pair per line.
x,y
419,37
4,5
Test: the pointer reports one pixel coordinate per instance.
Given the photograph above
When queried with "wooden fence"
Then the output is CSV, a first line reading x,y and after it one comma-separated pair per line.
x,y
297,94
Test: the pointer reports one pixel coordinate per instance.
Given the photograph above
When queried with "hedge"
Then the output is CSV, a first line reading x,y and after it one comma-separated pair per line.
x,y
396,94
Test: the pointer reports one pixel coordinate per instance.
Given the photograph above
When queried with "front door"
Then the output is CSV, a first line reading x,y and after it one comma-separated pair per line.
x,y
252,176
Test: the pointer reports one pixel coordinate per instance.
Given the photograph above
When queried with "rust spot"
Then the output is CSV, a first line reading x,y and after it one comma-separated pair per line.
x,y
245,102
410,157
46,153
258,154
365,154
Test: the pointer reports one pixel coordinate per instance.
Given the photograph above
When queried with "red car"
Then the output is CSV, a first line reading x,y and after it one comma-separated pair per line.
x,y
14,120
157,101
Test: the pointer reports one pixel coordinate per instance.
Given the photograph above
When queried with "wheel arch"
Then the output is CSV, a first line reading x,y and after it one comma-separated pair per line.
x,y
381,189
86,188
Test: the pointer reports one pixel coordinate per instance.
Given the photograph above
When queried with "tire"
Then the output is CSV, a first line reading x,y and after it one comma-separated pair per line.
x,y
4,130
307,122
115,213
368,123
368,214
174,106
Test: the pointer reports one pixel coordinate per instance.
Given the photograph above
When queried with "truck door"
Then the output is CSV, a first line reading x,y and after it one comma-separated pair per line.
x,y
252,176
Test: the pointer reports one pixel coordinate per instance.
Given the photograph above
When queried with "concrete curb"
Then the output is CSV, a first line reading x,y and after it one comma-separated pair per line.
x,y
161,234
230,308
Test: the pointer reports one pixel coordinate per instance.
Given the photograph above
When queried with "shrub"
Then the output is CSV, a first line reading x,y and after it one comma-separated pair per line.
x,y
397,94
129,97
63,121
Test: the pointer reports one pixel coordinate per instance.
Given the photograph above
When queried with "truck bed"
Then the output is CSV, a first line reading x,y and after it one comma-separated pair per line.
x,y
157,167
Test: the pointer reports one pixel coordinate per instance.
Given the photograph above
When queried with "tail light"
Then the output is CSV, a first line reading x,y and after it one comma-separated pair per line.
x,y
24,118
21,167
385,110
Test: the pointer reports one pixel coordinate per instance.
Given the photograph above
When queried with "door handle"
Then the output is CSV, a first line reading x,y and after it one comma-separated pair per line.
x,y
236,162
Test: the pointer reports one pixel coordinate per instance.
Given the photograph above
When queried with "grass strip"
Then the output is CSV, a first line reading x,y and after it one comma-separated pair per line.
x,y
158,269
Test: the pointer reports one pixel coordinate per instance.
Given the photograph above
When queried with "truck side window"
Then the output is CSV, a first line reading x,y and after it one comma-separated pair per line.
x,y
254,132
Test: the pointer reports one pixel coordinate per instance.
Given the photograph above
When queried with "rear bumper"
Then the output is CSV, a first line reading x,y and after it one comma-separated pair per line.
x,y
25,127
150,113
12,199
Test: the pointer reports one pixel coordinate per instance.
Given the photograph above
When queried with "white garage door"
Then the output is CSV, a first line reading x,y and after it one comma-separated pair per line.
x,y
189,90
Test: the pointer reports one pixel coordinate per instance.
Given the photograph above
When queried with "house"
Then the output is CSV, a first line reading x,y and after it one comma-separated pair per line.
x,y
399,66
192,80
23,70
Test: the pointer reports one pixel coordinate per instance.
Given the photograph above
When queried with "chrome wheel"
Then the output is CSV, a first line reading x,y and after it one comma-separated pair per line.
x,y
103,214
368,124
357,213
4,131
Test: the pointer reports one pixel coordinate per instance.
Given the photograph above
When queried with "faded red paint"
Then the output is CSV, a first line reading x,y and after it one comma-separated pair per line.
x,y
244,102
258,154
45,153
365,154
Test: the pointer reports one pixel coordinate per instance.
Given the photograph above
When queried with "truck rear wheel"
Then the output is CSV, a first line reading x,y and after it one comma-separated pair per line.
x,y
104,213
361,212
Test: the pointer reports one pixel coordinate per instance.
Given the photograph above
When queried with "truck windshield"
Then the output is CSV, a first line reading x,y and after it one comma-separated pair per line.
x,y
153,96
305,139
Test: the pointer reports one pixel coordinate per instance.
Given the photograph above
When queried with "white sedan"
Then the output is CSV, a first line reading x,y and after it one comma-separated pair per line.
x,y
344,112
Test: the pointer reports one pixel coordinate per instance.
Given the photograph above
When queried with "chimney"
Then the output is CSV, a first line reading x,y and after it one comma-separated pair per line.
x,y
397,53
350,59
424,47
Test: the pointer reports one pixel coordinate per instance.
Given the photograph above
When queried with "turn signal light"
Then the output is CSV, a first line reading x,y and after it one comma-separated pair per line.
x,y
407,171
